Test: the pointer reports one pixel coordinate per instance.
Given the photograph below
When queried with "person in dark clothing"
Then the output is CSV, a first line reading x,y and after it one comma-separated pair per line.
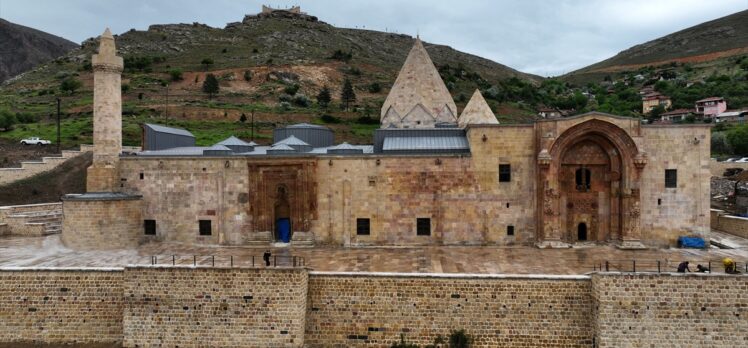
x,y
683,267
266,257
702,269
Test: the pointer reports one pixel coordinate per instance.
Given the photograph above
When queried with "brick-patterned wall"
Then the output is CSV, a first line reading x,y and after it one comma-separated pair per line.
x,y
735,225
357,310
214,306
61,306
102,224
670,310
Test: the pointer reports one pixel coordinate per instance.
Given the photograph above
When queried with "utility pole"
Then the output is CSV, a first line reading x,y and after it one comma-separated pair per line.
x,y
58,126
167,104
253,125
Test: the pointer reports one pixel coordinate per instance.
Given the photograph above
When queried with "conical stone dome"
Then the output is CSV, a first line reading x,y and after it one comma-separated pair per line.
x,y
419,98
477,111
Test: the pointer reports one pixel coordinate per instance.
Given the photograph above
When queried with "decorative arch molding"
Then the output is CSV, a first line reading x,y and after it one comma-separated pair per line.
x,y
627,161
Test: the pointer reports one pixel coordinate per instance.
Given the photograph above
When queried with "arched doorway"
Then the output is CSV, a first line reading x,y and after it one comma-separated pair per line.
x,y
282,218
582,231
589,174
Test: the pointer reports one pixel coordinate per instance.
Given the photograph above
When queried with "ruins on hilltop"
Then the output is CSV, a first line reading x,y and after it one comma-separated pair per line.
x,y
431,176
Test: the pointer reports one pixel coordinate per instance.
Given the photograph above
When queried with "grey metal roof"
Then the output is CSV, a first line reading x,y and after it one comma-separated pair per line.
x,y
306,125
169,130
292,140
343,146
232,140
425,143
282,147
176,151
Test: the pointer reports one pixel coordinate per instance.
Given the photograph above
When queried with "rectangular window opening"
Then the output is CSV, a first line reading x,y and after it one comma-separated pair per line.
x,y
363,227
510,230
141,176
205,228
149,227
505,173
671,178
423,226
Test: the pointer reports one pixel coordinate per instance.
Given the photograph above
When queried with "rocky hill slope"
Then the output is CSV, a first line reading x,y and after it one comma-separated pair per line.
x,y
706,42
269,67
22,48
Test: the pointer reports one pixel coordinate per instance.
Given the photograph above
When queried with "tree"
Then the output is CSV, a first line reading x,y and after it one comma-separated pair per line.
x,y
655,113
738,139
7,119
70,85
206,62
247,75
720,144
210,85
375,87
175,74
243,118
323,98
347,95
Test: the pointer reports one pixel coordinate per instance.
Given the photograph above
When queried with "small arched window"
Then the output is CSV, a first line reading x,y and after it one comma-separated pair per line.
x,y
583,179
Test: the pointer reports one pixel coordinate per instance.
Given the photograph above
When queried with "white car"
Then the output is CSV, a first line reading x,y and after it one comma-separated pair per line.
x,y
732,159
35,141
742,160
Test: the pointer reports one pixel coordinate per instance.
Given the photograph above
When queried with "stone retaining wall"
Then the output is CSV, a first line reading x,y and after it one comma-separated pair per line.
x,y
31,168
220,307
734,225
61,306
718,168
291,307
670,310
357,310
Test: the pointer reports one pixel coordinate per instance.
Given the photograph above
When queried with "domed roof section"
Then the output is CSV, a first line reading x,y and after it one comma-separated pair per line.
x,y
232,140
291,140
418,83
477,111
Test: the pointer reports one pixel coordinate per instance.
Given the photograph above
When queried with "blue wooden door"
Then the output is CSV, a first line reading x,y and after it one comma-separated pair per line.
x,y
283,226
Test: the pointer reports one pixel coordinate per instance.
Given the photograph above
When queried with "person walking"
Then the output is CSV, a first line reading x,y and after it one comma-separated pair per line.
x,y
683,267
266,257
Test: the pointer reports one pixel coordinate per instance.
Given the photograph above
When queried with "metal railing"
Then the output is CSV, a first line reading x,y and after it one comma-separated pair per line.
x,y
662,266
228,261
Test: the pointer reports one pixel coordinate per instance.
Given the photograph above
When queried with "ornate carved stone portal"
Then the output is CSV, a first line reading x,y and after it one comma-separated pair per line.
x,y
590,175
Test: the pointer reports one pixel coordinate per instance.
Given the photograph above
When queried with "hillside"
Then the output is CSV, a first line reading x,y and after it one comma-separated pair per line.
x,y
269,66
709,42
23,48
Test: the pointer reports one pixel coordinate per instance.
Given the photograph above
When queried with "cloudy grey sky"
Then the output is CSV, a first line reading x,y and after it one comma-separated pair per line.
x,y
541,37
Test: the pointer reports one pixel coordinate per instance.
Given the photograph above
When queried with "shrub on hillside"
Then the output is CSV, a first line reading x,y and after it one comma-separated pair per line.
x,y
301,100
175,74
330,119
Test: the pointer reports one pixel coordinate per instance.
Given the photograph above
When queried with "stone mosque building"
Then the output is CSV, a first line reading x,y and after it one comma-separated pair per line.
x,y
432,176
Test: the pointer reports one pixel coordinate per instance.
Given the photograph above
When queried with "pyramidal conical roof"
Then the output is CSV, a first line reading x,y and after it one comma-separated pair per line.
x,y
418,83
477,111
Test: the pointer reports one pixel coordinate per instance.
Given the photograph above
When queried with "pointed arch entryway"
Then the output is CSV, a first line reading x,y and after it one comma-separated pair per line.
x,y
588,182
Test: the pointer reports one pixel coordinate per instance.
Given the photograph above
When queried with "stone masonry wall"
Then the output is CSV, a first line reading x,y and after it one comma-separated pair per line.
x,y
188,307
670,310
60,306
373,310
178,192
667,213
102,224
735,225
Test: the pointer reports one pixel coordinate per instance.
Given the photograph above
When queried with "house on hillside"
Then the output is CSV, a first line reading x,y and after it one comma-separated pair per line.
x,y
732,116
676,115
710,107
652,100
546,112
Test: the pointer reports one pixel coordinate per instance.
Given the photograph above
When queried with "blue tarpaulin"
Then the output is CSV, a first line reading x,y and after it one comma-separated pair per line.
x,y
284,230
691,242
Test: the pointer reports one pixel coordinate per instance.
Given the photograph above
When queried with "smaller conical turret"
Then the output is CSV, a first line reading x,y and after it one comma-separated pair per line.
x,y
107,57
477,111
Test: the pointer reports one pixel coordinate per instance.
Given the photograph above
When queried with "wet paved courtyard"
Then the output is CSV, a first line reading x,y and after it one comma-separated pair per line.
x,y
50,252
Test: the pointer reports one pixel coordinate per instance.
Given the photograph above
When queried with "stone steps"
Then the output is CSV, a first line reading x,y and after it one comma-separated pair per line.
x,y
37,223
302,239
31,168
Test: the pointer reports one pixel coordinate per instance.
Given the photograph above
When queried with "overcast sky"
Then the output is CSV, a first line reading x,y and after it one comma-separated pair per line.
x,y
547,38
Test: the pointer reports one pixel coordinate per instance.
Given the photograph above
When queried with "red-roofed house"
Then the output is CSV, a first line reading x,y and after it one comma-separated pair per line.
x,y
651,100
675,115
710,107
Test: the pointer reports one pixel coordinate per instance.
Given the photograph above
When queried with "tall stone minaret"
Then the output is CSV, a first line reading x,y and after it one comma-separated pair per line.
x,y
107,113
